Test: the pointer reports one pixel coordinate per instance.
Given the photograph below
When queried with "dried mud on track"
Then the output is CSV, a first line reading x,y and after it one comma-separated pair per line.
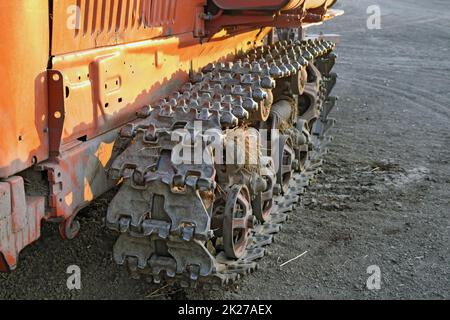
x,y
383,199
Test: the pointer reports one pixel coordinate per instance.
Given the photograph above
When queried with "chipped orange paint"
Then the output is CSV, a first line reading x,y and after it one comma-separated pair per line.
x,y
69,199
88,195
104,153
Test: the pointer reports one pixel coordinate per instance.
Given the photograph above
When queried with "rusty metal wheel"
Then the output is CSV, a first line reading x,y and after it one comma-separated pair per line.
x,y
238,221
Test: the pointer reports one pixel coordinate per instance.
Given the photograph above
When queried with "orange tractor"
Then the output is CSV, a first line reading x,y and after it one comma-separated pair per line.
x,y
92,92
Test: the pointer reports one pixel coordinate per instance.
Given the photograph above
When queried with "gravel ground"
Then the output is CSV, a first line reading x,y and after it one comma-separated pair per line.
x,y
383,198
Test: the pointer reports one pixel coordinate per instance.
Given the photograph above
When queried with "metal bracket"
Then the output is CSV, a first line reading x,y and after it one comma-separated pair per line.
x,y
56,110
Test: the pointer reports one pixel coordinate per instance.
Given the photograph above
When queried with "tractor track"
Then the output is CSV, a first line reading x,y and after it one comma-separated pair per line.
x,y
157,251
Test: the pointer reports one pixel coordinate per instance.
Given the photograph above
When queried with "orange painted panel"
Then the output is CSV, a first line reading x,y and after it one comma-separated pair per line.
x,y
86,24
24,46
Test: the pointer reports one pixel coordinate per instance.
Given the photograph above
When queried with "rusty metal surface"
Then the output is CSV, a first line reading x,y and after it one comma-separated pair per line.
x,y
20,220
77,176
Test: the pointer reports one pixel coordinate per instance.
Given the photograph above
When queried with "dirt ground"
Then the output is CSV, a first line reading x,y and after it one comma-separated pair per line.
x,y
383,199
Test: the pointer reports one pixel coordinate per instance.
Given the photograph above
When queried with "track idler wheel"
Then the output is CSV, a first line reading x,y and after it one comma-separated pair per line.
x,y
238,221
285,162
